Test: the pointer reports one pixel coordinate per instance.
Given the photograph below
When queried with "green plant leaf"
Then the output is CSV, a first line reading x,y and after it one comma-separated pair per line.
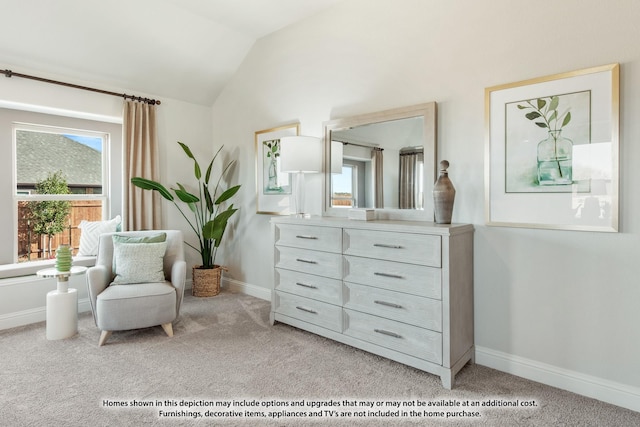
x,y
554,103
567,119
187,150
541,124
210,168
185,196
522,107
207,175
147,184
533,115
196,167
196,170
541,103
215,229
553,116
191,205
207,198
227,194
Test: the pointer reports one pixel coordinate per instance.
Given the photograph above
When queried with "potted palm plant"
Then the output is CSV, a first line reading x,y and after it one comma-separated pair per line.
x,y
209,219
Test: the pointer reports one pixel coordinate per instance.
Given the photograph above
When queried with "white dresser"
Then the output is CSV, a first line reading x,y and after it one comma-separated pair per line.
x,y
399,289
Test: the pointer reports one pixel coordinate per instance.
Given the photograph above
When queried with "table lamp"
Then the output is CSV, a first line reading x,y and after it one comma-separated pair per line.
x,y
300,155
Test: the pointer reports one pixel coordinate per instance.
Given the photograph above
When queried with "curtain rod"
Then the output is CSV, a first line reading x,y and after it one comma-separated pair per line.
x,y
9,73
373,147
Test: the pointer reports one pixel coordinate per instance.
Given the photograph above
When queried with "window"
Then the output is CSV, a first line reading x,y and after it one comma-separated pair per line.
x,y
344,188
60,181
62,170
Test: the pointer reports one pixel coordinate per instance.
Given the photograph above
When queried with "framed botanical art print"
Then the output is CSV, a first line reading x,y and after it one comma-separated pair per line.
x,y
552,151
273,186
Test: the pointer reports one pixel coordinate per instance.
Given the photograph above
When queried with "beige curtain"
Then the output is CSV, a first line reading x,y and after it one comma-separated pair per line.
x,y
410,186
141,207
378,177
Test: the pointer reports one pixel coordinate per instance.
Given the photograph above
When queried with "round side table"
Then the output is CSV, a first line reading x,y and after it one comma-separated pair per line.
x,y
62,304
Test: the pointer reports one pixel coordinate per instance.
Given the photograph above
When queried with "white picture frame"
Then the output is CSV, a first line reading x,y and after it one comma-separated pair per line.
x,y
273,187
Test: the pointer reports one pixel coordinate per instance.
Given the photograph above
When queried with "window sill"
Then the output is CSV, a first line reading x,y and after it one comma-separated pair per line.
x,y
30,268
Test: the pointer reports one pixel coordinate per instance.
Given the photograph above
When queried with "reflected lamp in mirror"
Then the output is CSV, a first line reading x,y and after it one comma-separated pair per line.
x,y
336,157
300,155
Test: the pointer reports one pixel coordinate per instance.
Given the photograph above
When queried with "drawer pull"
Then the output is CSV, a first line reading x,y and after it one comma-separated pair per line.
x,y
304,285
300,236
388,333
382,245
388,304
393,276
308,310
306,261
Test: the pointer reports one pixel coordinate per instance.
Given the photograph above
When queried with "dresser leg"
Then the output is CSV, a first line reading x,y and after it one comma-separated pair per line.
x,y
272,318
447,380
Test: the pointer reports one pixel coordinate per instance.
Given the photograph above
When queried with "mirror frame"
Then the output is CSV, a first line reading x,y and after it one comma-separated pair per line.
x,y
428,112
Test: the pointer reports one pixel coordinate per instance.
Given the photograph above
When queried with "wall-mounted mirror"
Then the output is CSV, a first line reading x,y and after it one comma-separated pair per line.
x,y
384,161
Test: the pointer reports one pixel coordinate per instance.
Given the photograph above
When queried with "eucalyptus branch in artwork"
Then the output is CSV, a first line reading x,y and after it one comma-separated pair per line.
x,y
544,113
272,152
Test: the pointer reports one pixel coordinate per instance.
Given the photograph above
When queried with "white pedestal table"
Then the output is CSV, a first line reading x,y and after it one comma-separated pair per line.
x,y
62,304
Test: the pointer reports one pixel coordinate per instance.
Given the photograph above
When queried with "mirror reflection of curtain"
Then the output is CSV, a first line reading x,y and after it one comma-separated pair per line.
x,y
411,180
378,174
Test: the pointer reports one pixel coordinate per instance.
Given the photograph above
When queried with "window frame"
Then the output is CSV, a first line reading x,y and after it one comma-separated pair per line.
x,y
58,130
113,181
14,113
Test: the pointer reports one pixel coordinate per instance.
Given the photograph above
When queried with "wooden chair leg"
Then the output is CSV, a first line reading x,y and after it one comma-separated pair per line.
x,y
104,336
168,328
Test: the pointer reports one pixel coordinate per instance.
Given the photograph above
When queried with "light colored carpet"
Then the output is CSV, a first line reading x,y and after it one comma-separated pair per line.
x,y
225,350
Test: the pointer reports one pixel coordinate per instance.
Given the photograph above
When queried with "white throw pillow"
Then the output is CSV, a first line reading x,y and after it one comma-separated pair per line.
x,y
91,231
138,262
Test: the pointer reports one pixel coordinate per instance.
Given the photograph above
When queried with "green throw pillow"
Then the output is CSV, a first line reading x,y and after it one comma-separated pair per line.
x,y
138,262
149,238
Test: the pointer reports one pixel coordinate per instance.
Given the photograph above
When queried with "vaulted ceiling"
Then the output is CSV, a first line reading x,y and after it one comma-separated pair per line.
x,y
182,49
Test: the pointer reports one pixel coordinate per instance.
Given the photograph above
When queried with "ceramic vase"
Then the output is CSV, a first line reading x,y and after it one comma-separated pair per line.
x,y
63,258
443,196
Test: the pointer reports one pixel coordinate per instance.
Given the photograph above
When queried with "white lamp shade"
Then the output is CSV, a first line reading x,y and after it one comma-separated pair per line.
x,y
336,156
300,154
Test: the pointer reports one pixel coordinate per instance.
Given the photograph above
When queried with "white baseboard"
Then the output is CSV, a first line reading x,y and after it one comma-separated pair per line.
x,y
246,288
34,315
597,388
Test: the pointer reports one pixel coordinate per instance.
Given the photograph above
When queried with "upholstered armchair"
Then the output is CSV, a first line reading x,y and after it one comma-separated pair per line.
x,y
138,281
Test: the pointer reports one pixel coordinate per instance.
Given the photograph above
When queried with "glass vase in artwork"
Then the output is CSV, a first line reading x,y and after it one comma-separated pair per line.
x,y
555,159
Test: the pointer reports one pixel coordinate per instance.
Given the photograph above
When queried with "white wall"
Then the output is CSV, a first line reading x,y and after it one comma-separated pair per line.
x,y
176,120
557,306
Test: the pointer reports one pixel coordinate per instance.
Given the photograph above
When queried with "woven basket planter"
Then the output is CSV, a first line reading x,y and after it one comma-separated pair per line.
x,y
206,281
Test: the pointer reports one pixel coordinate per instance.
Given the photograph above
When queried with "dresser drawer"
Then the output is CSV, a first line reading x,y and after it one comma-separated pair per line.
x,y
395,276
421,249
310,262
417,311
308,310
417,342
328,239
309,285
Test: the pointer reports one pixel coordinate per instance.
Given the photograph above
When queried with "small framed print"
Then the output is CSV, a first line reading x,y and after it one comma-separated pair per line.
x,y
273,187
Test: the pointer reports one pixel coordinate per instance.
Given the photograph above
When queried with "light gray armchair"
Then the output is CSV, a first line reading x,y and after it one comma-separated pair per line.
x,y
119,307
